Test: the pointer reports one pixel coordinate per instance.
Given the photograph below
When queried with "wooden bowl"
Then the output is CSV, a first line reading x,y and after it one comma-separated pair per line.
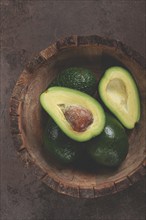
x,y
27,122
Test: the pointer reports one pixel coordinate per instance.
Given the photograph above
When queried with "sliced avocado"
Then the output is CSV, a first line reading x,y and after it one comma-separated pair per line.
x,y
78,78
119,93
111,146
77,114
58,145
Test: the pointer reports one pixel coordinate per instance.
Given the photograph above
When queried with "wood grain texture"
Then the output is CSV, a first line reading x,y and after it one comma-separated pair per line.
x,y
27,121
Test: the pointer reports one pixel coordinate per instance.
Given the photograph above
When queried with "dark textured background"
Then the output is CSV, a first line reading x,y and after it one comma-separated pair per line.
x,y
29,26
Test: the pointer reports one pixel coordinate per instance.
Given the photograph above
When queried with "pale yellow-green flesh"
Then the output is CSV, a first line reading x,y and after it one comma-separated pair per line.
x,y
54,97
119,92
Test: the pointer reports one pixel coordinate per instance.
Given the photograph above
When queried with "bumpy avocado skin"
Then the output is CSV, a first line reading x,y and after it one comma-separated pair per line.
x,y
111,146
58,145
77,78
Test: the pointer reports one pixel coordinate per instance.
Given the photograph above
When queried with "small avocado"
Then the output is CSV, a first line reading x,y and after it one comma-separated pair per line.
x,y
77,114
78,78
58,145
119,93
111,146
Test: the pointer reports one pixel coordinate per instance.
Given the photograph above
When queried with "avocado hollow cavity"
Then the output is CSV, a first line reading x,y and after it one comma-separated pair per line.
x,y
78,117
116,90
77,114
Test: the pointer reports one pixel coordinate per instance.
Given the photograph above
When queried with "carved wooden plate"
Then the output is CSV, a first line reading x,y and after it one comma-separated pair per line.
x,y
27,121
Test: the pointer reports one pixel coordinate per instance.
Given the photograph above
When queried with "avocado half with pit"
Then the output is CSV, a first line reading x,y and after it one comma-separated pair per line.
x,y
77,114
119,93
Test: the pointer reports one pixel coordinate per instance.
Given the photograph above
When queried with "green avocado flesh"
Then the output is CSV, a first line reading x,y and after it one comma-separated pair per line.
x,y
58,145
78,78
119,93
111,146
77,114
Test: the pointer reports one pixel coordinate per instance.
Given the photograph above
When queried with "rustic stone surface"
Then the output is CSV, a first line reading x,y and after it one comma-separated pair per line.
x,y
28,27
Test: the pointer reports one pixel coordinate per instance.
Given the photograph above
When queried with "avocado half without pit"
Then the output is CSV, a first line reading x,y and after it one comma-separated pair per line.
x,y
77,114
119,93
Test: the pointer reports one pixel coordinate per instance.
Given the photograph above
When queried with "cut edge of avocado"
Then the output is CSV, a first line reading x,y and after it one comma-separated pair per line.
x,y
119,92
54,97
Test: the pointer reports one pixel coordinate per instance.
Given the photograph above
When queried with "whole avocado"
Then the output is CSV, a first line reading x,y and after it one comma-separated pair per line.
x,y
111,146
58,145
78,78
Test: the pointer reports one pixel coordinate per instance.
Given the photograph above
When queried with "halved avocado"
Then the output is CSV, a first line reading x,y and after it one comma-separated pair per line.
x,y
119,93
77,114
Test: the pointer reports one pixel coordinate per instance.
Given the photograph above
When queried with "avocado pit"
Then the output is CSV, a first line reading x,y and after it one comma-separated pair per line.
x,y
78,117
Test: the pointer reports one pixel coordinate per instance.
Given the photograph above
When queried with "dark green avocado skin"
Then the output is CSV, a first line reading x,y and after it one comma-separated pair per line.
x,y
77,78
61,148
111,146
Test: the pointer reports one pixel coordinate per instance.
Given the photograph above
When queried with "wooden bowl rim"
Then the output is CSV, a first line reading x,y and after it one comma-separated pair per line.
x,y
15,106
